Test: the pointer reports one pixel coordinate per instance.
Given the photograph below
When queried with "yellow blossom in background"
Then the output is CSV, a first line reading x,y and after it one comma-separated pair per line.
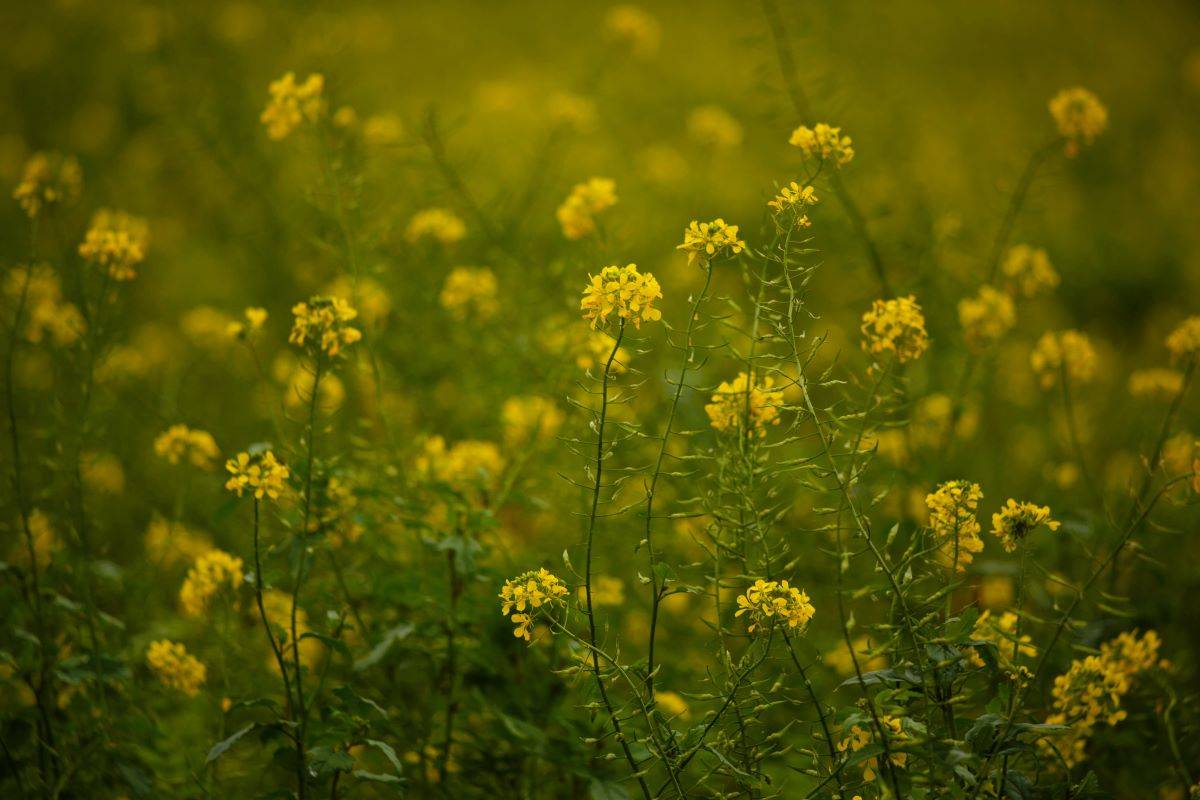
x,y
1028,270
952,518
606,591
45,314
932,417
181,443
860,736
794,199
572,110
767,601
45,540
439,224
528,419
737,402
634,27
673,705
823,142
322,325
1090,693
1002,632
102,472
168,543
208,574
577,214
1184,341
292,104
1015,521
48,180
713,126
1079,116
298,380
116,242
383,130
1159,383
841,660
1056,351
530,594
623,290
278,606
369,296
252,321
986,317
465,462
334,512
709,240
175,668
895,326
470,292
207,327
996,592
261,474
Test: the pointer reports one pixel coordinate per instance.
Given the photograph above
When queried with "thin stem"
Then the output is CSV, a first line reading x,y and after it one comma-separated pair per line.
x,y
833,758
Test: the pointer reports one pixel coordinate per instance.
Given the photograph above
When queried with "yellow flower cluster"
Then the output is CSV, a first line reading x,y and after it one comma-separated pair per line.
x,y
1002,632
529,594
823,142
1056,351
208,574
292,104
952,518
1090,692
1184,341
713,126
334,514
708,240
737,400
635,27
528,419
168,543
860,736
896,326
1079,115
624,290
794,199
986,317
322,324
439,224
468,461
1159,383
1015,521
46,313
252,321
117,242
49,180
470,291
175,668
577,214
181,443
261,473
766,601
1028,270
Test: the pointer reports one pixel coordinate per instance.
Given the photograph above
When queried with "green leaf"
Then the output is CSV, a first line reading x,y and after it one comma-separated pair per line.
x,y
385,644
607,790
388,753
220,747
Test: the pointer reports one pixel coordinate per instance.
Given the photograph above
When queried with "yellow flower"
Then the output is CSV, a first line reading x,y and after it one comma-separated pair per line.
x,y
952,518
1017,520
252,321
1028,270
606,591
46,314
896,326
168,543
1184,341
322,325
470,291
860,736
292,104
531,594
466,462
1002,633
986,317
709,240
571,110
175,668
260,473
995,591
713,126
278,606
208,574
179,443
736,400
577,214
49,180
672,704
634,27
528,419
624,290
1159,383
822,143
45,540
117,242
794,199
1069,350
766,601
102,472
439,224
1080,117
